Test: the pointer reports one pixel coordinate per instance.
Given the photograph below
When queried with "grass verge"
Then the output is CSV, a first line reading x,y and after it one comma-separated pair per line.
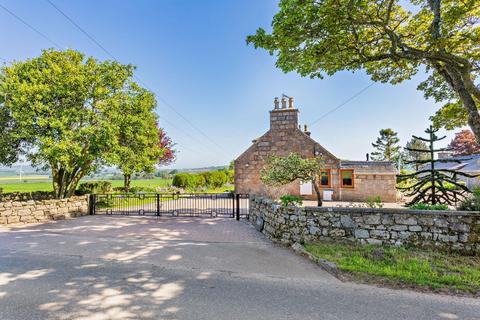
x,y
403,267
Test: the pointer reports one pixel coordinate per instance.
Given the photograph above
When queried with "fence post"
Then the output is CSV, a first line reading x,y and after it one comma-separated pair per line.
x,y
237,211
158,204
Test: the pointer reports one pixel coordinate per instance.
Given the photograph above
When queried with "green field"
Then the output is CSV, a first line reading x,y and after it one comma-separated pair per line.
x,y
36,185
10,185
17,178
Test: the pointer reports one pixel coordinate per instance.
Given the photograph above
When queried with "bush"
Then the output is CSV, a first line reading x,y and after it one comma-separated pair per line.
x,y
215,179
91,187
374,202
472,203
426,206
290,200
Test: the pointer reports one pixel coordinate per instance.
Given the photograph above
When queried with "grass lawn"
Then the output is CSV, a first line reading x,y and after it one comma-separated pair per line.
x,y
30,185
403,266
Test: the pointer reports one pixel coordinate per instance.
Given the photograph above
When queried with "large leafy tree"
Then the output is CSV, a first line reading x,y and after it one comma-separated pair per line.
x,y
166,144
412,153
279,171
61,112
464,143
390,39
386,146
139,146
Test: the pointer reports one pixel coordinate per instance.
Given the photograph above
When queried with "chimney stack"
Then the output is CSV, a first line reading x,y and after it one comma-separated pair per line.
x,y
283,117
290,102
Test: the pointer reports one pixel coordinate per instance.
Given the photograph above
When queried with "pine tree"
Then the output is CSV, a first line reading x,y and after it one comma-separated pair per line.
x,y
410,155
386,146
430,186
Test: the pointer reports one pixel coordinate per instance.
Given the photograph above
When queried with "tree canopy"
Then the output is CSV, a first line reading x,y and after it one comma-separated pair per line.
x,y
413,153
391,40
386,146
464,143
138,148
68,113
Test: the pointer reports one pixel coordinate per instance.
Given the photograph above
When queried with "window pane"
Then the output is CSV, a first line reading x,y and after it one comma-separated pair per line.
x,y
347,178
324,178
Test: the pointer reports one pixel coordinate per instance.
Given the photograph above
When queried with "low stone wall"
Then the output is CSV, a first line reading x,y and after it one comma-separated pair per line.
x,y
42,210
25,196
447,230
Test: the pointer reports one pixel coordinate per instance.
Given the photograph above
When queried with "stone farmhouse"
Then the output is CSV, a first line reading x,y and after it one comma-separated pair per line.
x,y
340,180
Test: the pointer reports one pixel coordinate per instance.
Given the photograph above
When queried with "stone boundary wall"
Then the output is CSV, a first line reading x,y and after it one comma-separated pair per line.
x,y
42,210
446,230
25,196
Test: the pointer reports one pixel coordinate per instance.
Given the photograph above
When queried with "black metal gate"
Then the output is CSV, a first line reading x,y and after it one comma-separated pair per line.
x,y
162,204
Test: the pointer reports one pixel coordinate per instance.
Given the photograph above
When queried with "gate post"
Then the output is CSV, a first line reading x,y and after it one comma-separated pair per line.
x,y
91,204
158,204
237,209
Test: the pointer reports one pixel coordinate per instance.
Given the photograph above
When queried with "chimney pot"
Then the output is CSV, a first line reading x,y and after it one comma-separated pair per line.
x,y
275,102
284,103
305,129
290,102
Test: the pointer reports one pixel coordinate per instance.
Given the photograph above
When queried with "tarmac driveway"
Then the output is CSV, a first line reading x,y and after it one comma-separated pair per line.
x,y
100,267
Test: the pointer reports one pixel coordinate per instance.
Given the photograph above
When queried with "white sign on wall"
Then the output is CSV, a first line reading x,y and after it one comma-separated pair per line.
x,y
305,188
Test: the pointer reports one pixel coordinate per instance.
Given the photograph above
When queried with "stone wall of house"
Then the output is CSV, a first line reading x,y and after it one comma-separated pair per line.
x,y
283,138
42,210
446,230
372,178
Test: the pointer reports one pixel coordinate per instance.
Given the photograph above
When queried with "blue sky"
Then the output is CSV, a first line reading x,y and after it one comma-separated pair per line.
x,y
193,55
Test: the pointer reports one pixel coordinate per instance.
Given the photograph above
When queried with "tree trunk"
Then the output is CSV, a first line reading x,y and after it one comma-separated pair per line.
x,y
317,191
455,78
126,181
64,182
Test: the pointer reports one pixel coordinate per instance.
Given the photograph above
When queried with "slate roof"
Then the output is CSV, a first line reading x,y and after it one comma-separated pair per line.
x,y
469,163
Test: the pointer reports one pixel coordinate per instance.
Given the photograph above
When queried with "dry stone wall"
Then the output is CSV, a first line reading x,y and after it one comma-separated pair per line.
x,y
42,210
447,230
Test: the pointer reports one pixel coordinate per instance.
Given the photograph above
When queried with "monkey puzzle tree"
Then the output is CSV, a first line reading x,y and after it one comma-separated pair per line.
x,y
390,39
430,184
280,171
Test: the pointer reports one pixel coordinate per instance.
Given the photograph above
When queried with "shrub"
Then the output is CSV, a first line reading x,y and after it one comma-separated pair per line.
x,y
426,206
374,202
91,187
472,203
290,200
215,179
181,180
230,176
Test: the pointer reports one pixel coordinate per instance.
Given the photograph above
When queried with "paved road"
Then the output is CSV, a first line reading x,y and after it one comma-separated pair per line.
x,y
184,268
